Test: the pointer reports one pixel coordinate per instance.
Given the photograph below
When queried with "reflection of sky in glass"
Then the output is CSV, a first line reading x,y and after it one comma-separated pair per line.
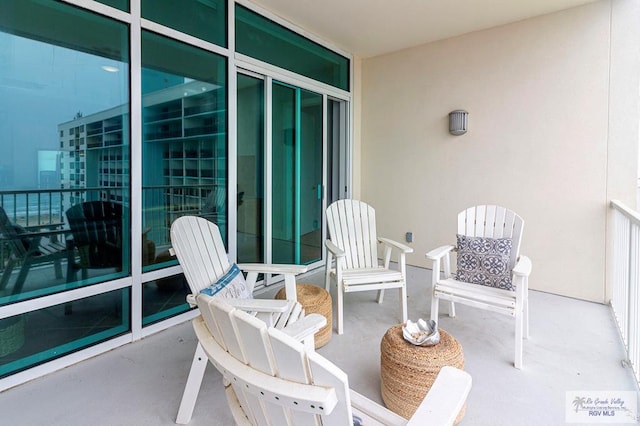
x,y
41,86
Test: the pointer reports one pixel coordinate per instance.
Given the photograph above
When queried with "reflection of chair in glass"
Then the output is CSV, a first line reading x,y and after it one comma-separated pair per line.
x,y
270,378
96,227
214,208
29,249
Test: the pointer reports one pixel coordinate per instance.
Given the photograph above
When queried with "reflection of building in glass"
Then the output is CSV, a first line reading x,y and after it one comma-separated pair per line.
x,y
6,174
48,179
184,131
48,169
94,156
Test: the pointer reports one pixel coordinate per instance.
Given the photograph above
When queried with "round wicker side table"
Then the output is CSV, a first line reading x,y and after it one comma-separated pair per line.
x,y
315,300
408,371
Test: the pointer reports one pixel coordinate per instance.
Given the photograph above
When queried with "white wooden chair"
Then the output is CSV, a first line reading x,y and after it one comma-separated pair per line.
x,y
486,222
199,248
353,243
272,379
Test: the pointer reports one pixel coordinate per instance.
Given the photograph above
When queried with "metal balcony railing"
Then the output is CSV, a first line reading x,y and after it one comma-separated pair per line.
x,y
625,300
45,208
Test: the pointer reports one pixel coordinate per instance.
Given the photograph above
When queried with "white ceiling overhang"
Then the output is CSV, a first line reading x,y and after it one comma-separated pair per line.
x,y
367,28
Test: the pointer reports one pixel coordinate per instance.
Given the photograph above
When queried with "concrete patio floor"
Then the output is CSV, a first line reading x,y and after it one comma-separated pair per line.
x,y
574,345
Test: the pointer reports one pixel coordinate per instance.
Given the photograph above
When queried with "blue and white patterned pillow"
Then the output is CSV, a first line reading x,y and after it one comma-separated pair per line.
x,y
484,261
231,284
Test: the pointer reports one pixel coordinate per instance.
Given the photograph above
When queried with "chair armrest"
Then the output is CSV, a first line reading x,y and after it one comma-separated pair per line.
x,y
259,305
403,248
334,249
54,228
439,252
262,268
373,412
523,267
305,327
191,300
288,271
252,305
444,400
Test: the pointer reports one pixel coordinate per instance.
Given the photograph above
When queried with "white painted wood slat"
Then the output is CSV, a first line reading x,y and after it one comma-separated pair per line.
x,y
490,221
369,238
326,374
222,317
292,365
480,223
500,229
254,342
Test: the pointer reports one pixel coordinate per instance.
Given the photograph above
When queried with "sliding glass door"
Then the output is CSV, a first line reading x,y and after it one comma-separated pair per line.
x,y
250,165
286,224
296,175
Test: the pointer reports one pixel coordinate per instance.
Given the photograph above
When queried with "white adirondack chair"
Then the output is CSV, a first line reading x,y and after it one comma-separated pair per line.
x,y
271,379
199,248
353,243
488,222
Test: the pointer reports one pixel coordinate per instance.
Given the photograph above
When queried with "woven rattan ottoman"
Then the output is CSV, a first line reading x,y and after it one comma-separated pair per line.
x,y
315,300
408,371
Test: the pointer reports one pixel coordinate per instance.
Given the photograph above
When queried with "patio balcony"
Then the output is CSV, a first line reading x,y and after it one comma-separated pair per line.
x,y
574,345
553,134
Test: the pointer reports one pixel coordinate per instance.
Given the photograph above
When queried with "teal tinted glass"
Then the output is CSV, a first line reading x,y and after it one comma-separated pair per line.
x,y
46,334
250,104
310,177
184,153
64,117
164,298
296,175
205,19
64,99
284,176
260,38
118,4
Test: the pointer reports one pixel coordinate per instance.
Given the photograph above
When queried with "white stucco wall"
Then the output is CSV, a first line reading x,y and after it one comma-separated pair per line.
x,y
538,94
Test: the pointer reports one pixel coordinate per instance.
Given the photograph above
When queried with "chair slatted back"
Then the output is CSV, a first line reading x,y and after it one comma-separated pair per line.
x,y
96,222
493,222
200,250
96,227
326,374
352,227
10,233
266,368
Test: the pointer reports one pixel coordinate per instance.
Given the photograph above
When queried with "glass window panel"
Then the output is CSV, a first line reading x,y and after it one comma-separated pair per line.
x,y
250,103
296,175
36,337
337,158
164,298
64,93
310,177
205,19
260,38
118,4
184,144
284,174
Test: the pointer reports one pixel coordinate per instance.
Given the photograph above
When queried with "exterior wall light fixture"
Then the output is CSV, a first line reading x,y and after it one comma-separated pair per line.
x,y
458,121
